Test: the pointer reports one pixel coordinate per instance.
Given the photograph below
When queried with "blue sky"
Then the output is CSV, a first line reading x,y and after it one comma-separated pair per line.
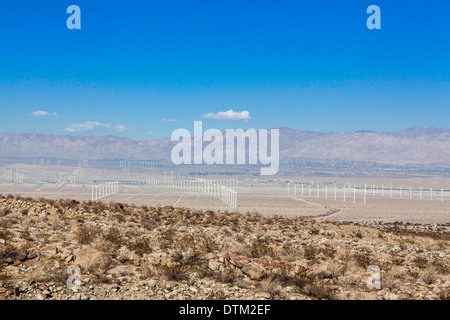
x,y
144,68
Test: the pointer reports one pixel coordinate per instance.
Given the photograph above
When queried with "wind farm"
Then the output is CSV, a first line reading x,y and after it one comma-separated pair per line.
x,y
420,202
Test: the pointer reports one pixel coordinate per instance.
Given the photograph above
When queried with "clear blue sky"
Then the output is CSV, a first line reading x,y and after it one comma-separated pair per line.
x,y
305,64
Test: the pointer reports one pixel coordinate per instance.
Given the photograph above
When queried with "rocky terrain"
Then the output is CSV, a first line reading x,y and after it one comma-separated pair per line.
x,y
130,252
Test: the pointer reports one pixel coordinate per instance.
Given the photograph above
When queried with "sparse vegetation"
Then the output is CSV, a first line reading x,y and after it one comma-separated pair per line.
x,y
86,234
114,236
260,247
174,272
420,262
226,254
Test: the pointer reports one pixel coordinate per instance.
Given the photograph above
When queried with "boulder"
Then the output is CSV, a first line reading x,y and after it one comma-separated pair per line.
x,y
66,253
239,261
123,270
153,258
124,254
214,264
265,261
302,263
209,256
320,270
89,258
254,271
49,250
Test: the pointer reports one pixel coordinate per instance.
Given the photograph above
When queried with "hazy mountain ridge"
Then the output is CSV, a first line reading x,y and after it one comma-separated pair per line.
x,y
77,147
416,145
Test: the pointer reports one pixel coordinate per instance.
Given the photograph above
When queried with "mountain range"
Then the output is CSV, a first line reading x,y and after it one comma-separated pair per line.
x,y
411,146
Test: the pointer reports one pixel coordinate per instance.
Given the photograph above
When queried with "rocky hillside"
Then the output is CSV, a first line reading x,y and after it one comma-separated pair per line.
x,y
129,252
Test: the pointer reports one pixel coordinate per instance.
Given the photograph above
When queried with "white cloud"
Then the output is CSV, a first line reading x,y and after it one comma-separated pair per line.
x,y
170,120
92,125
41,113
120,128
229,115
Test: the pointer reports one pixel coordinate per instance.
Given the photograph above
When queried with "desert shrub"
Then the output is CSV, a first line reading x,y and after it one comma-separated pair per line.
x,y
4,212
340,269
429,277
440,266
188,250
282,276
184,242
309,252
328,251
25,234
86,234
147,271
3,275
271,285
97,207
218,295
99,278
363,259
413,272
289,252
313,286
398,260
72,204
59,210
166,238
300,280
420,262
12,252
120,218
260,247
6,222
141,245
114,236
174,272
444,295
5,234
225,276
58,276
207,244
43,237
320,290
150,222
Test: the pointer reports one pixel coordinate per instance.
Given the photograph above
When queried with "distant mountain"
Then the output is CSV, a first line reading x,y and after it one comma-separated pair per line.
x,y
81,147
411,146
